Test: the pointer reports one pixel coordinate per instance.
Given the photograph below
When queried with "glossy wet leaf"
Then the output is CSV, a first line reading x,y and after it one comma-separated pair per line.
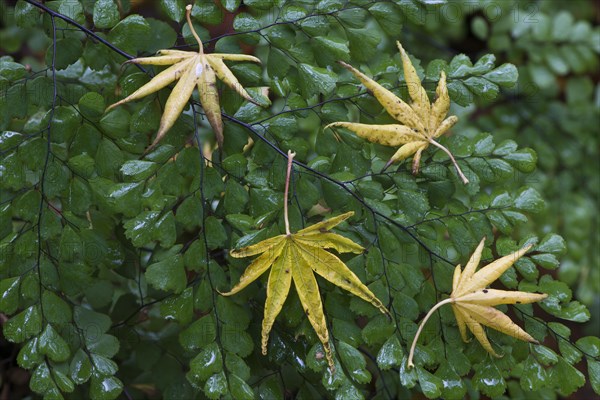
x,y
295,258
566,378
452,386
23,325
106,14
354,362
534,375
105,388
391,353
239,388
167,275
430,384
53,345
9,300
208,362
216,386
489,380
80,367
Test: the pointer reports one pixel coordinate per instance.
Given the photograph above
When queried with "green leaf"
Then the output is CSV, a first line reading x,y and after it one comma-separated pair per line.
x,y
10,294
12,70
207,13
505,75
116,123
488,379
162,37
552,243
215,233
236,365
179,308
105,388
316,80
354,362
244,22
533,377
108,158
69,51
335,49
363,43
90,321
106,14
142,229
175,9
237,341
545,355
29,356
56,310
430,384
390,354
167,275
104,345
199,334
63,382
566,378
41,381
377,330
529,200
130,34
26,15
231,5
590,345
239,389
208,362
216,386
103,365
23,325
80,367
452,386
594,374
53,345
138,170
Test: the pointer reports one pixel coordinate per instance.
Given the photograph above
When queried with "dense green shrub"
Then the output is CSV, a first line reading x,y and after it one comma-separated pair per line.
x,y
112,260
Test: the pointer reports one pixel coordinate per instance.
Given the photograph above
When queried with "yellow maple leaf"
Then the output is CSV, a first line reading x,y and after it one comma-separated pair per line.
x,y
421,121
191,69
473,303
296,257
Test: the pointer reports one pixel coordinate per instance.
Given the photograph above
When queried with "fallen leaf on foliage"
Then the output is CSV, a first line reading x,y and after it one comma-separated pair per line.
x,y
473,304
191,69
421,121
295,257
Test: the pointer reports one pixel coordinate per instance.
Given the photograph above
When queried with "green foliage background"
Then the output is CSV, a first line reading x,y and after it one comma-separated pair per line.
x,y
111,260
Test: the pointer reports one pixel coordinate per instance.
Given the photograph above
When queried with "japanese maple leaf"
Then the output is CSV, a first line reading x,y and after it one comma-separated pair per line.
x,y
296,257
473,303
191,69
420,122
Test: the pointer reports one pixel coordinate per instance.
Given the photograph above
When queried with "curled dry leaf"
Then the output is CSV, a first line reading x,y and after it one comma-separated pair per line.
x,y
421,122
473,303
296,257
190,69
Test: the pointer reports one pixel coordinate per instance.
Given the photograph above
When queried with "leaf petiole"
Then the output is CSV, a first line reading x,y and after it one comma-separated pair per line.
x,y
285,195
188,13
460,173
414,343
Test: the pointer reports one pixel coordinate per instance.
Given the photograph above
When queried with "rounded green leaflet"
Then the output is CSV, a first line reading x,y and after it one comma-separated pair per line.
x,y
53,345
105,388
